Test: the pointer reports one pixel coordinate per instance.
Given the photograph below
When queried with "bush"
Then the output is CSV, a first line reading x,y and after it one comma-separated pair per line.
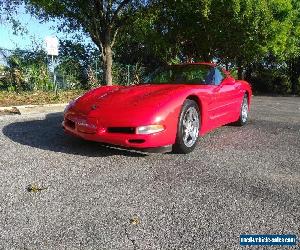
x,y
298,87
269,81
281,85
128,74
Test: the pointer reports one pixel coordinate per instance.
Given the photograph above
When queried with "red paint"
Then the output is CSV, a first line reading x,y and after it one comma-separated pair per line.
x,y
90,116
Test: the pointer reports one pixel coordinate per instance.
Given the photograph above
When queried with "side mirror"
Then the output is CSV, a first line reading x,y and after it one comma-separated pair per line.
x,y
229,80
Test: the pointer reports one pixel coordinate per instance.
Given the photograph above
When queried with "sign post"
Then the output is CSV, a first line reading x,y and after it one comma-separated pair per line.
x,y
52,44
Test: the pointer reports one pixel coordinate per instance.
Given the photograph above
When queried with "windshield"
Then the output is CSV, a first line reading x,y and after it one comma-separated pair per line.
x,y
183,74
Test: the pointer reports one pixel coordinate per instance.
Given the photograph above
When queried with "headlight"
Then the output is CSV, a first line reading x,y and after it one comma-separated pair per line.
x,y
67,107
71,103
151,129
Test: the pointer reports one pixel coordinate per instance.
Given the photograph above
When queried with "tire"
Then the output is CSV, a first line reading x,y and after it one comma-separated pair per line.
x,y
188,128
244,112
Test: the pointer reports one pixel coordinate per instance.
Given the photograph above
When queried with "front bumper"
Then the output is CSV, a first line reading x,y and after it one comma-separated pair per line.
x,y
88,129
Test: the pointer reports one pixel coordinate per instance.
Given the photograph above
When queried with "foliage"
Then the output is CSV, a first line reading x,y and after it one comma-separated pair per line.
x,y
27,71
74,61
101,20
297,88
246,35
128,74
236,33
269,83
8,11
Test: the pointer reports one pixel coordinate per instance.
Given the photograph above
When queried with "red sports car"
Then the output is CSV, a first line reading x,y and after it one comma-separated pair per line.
x,y
169,111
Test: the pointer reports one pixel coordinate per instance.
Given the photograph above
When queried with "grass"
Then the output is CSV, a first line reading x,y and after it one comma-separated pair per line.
x,y
37,97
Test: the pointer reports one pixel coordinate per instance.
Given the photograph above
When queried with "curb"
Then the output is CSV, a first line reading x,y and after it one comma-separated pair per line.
x,y
33,109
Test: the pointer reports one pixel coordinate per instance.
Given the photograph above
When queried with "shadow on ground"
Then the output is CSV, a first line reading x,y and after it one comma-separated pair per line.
x,y
48,134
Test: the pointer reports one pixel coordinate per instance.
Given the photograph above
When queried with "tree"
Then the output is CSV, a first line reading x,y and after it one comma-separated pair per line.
x,y
26,70
100,19
292,53
235,32
167,31
144,42
74,61
8,10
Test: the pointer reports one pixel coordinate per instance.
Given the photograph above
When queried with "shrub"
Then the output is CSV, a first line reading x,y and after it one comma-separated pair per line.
x,y
271,81
298,87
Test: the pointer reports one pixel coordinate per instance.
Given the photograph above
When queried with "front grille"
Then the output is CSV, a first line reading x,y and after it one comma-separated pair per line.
x,y
69,124
121,130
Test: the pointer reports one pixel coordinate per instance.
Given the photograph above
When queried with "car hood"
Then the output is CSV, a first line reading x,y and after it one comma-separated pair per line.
x,y
118,99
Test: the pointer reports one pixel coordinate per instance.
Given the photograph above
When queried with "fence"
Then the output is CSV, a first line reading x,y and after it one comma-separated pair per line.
x,y
27,70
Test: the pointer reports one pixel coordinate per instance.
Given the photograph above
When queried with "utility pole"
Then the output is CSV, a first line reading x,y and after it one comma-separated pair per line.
x,y
54,74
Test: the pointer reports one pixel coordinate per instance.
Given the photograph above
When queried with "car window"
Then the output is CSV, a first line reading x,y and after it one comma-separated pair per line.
x,y
218,77
209,79
182,74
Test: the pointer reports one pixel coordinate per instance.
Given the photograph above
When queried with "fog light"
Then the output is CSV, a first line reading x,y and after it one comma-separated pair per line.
x,y
151,129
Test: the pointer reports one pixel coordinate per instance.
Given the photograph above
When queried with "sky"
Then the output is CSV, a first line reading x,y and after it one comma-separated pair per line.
x,y
36,31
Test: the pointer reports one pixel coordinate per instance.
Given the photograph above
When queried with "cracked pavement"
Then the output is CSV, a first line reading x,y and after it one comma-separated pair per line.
x,y
237,181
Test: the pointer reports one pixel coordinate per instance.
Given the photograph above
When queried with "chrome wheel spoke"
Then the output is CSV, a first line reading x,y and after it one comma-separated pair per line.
x,y
190,115
184,122
186,134
196,124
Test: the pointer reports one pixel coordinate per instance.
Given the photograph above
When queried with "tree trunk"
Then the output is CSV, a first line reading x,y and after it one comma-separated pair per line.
x,y
294,75
240,73
108,64
106,47
248,74
240,69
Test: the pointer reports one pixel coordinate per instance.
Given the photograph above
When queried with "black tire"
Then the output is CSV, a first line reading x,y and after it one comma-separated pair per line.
x,y
182,145
242,118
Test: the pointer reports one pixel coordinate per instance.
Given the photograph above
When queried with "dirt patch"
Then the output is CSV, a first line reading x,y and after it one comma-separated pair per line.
x,y
38,97
10,111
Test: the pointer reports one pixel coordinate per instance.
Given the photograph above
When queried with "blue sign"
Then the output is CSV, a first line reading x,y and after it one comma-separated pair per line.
x,y
268,240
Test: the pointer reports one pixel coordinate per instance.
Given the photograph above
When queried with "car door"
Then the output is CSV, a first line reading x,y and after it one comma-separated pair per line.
x,y
215,103
223,99
224,93
227,101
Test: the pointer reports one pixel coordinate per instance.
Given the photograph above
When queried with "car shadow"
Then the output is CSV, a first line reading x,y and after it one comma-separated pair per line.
x,y
48,134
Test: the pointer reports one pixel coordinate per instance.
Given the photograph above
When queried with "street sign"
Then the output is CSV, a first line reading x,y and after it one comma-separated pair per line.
x,y
52,45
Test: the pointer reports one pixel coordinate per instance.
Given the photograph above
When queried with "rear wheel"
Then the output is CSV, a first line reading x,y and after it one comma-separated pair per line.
x,y
244,112
188,128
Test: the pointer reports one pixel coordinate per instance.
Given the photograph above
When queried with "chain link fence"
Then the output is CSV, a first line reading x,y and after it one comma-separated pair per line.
x,y
22,70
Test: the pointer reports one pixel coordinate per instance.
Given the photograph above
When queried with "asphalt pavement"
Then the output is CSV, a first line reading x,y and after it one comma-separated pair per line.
x,y
58,192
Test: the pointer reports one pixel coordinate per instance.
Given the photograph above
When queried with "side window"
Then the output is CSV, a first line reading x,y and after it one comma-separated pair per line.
x,y
218,76
209,79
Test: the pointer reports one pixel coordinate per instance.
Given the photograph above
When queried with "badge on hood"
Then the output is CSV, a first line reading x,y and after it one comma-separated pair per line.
x,y
94,107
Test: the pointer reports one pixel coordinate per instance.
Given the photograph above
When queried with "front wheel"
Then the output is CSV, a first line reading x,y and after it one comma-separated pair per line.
x,y
188,128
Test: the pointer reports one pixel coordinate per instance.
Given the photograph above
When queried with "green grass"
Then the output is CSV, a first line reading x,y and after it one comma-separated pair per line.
x,y
37,97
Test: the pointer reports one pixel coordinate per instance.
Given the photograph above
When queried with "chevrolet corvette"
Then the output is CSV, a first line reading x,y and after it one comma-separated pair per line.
x,y
167,112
